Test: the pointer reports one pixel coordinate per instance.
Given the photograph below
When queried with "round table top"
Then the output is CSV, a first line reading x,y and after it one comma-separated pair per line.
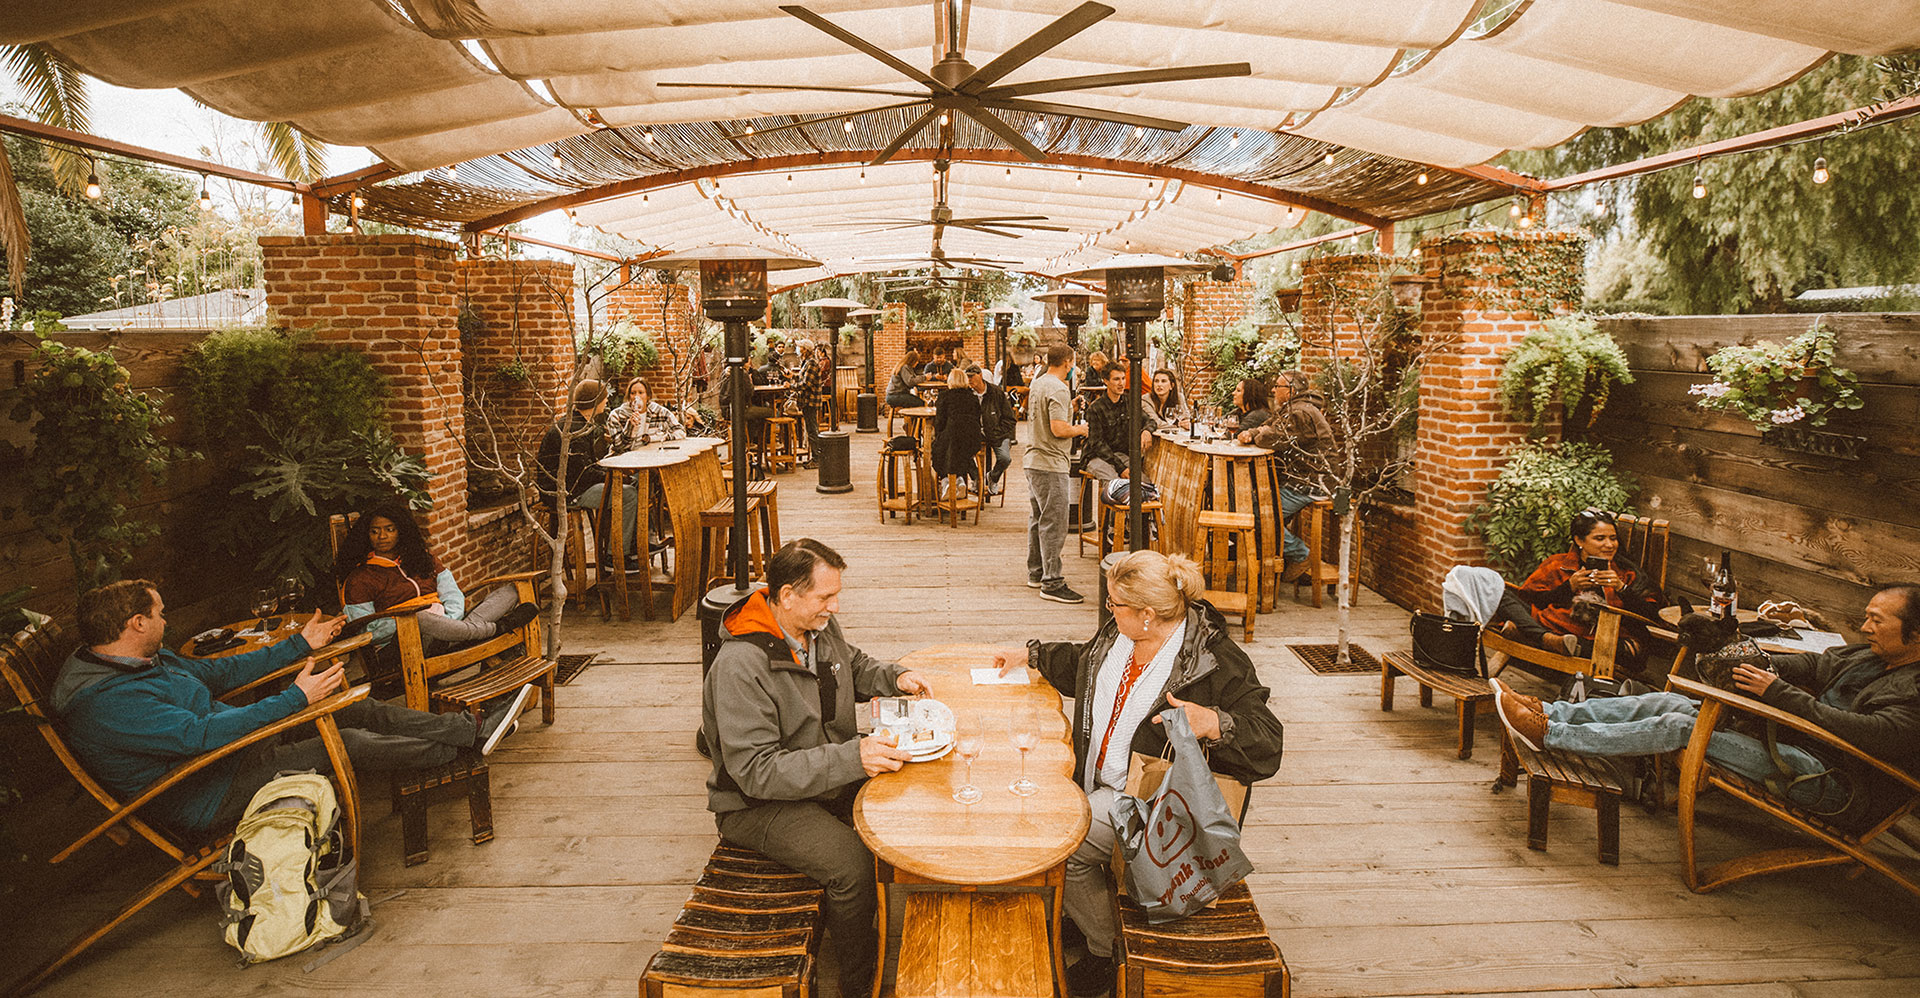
x,y
286,625
659,454
910,818
1218,448
919,411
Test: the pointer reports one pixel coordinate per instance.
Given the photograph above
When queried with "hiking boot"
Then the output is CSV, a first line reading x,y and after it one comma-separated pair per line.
x,y
1501,691
519,616
1292,571
1563,644
1091,977
1528,727
1059,593
500,717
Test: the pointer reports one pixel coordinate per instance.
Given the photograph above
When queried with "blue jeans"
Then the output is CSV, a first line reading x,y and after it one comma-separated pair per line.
x,y
1002,460
1663,722
591,497
1292,501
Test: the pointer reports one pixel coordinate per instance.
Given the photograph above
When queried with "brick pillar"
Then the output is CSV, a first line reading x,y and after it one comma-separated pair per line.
x,y
1486,291
1340,297
973,330
391,297
666,312
522,309
889,344
1211,306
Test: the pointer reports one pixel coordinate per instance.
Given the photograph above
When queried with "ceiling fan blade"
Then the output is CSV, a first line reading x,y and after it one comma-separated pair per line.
x,y
982,228
794,86
1008,134
1069,111
1033,46
906,135
1002,218
875,51
998,229
1094,82
821,120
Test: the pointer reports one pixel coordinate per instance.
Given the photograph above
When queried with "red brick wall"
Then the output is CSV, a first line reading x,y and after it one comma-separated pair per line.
x,y
1476,284
1210,307
889,344
523,307
667,312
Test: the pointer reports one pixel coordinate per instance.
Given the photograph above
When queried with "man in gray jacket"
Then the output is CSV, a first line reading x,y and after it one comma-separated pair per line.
x,y
788,758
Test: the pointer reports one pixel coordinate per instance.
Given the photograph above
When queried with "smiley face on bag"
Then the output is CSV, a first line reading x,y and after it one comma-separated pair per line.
x,y
1171,830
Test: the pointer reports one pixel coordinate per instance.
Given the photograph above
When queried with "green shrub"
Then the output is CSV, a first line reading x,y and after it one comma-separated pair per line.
x,y
626,350
1570,361
1773,384
1530,507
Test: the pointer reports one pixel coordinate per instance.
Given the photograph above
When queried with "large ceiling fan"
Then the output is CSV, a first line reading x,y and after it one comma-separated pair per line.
x,y
943,217
954,85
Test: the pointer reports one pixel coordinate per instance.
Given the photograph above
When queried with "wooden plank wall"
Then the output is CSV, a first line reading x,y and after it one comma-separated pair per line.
x,y
1822,530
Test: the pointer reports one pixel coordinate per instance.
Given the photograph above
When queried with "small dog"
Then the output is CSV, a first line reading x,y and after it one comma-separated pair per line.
x,y
1714,646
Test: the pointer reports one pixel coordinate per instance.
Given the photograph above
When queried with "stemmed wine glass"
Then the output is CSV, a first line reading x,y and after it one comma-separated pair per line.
x,y
1023,734
968,743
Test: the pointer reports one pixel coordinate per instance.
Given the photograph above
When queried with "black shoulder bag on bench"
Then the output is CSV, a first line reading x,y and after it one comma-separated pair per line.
x,y
1447,644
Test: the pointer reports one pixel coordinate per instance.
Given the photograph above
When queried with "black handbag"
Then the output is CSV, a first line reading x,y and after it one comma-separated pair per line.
x,y
1447,644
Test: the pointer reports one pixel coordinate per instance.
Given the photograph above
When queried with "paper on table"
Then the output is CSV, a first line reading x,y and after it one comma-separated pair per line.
x,y
991,676
1812,641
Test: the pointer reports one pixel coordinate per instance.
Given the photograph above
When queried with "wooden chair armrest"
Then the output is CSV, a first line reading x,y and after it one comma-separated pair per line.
x,y
1793,722
307,715
1630,615
337,649
496,580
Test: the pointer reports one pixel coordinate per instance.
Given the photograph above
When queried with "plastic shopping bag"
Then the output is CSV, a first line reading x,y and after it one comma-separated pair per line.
x,y
1181,845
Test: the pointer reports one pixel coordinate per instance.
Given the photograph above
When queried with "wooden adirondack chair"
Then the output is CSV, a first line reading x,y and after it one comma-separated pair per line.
x,y
30,665
1642,541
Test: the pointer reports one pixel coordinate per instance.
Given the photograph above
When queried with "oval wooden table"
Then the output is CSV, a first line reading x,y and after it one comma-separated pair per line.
x,y
981,883
253,637
689,482
1199,475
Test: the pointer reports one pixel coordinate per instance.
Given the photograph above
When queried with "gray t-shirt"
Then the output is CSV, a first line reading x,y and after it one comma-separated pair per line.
x,y
1048,400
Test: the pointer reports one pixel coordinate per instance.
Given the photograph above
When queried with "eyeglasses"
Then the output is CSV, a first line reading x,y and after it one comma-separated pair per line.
x,y
1111,605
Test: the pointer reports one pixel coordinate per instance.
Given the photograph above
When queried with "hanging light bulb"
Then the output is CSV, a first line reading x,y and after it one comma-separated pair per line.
x,y
1138,131
359,202
1699,187
1820,173
1076,179
649,136
943,119
557,164
749,129
644,197
1328,158
93,180
863,176
453,171
206,200
1513,210
789,180
1421,179
1009,173
1233,140
847,126
1526,220
1599,203
1216,196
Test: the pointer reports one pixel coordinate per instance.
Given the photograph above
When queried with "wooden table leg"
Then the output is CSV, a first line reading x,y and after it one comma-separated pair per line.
x,y
614,503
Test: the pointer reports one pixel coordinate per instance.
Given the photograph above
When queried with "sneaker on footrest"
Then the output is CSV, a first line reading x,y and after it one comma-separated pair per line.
x,y
500,717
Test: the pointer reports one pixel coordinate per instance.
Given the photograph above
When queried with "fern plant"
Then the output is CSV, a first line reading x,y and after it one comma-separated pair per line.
x,y
1571,361
1530,507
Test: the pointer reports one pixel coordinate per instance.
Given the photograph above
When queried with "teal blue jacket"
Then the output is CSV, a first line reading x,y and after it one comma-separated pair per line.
x,y
130,725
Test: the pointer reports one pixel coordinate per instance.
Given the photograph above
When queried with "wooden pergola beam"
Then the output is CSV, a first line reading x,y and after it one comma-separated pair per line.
x,y
514,237
1299,244
94,143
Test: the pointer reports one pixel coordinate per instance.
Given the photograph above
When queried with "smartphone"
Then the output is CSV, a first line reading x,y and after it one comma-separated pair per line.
x,y
1596,564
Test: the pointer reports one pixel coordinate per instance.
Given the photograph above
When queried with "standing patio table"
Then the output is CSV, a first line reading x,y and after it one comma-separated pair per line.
x,y
690,480
981,883
1199,475
918,424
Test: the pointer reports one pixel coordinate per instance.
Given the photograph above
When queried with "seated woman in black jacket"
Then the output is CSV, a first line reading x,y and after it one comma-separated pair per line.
x,y
1250,413
1164,647
956,431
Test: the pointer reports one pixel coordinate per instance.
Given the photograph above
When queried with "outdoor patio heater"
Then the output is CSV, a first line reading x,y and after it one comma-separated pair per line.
x,y
1136,294
867,405
1073,306
830,446
1002,323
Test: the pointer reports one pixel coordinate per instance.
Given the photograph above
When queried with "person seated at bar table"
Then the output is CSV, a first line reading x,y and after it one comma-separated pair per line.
x,y
1250,413
1107,427
584,434
1163,647
778,709
640,420
1165,404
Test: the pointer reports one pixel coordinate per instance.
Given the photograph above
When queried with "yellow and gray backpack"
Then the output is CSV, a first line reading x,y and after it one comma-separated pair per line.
x,y
289,885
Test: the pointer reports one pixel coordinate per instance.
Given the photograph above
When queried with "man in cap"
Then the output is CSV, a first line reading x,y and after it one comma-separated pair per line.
x,y
585,484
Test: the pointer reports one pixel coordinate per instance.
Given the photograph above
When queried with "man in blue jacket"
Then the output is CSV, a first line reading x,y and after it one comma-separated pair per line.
x,y
134,710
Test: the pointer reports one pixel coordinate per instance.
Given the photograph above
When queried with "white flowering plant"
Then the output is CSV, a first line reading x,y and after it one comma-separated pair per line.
x,y
1775,384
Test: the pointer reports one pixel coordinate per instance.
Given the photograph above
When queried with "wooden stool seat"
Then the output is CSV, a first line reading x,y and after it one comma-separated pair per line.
x,y
415,790
716,527
497,680
782,446
1583,781
752,927
1223,950
1223,533
1113,525
1468,692
898,482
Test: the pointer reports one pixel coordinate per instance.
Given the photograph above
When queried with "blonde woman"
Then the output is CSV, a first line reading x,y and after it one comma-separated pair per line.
x,y
1163,647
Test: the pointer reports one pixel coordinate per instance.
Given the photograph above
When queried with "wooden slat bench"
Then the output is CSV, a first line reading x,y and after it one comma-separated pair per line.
x,y
1468,692
1222,952
1566,778
751,928
414,790
977,944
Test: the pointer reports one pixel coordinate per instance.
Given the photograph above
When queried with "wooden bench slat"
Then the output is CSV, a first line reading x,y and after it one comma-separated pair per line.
x,y
732,971
687,941
745,923
749,928
719,901
1221,952
730,883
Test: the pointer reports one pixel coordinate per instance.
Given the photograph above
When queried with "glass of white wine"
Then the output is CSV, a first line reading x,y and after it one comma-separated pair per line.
x,y
1023,734
968,743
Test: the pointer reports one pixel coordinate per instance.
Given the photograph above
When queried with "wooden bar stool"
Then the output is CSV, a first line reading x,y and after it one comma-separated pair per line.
x,y
1223,533
1113,525
1320,573
957,500
781,450
582,560
1089,522
898,481
716,527
768,492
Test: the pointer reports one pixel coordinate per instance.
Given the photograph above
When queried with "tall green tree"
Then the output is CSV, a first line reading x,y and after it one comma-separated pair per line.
x,y
1765,231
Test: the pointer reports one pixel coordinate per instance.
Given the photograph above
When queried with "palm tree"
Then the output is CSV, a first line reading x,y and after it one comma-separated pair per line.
x,y
56,94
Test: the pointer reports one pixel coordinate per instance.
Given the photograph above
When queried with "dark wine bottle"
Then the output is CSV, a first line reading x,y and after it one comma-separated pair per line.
x,y
1725,598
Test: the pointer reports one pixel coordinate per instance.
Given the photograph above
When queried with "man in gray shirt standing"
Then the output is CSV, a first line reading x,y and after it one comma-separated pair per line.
x,y
1048,462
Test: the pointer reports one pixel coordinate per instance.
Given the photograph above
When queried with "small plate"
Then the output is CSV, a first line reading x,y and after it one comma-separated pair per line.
x,y
940,753
930,713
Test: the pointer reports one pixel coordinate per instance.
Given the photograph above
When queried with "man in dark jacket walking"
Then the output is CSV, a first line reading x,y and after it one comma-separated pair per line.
x,y
996,425
778,709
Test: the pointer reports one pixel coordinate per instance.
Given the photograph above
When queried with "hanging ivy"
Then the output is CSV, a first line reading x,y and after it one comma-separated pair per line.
x,y
1570,361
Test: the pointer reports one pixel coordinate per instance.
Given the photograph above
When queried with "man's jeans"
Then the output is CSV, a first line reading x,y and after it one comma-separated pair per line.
x,y
1292,501
629,509
1652,723
1002,460
1046,525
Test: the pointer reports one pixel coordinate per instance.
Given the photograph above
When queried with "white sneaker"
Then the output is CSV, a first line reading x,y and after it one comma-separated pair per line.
x,y
509,719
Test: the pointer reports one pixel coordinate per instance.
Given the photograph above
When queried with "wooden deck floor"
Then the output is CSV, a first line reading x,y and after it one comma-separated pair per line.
x,y
1385,865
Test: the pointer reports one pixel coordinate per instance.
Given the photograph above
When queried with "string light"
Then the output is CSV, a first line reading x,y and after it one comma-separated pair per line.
x,y
863,176
1599,203
453,171
1421,179
557,164
359,202
1138,131
1699,187
847,126
93,180
943,119
1009,173
1820,172
206,200
1513,210
1076,179
1216,195
1526,220
1233,141
649,136
1328,158
789,180
749,129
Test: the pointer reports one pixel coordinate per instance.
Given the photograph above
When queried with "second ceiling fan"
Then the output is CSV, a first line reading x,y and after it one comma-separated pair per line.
x,y
954,85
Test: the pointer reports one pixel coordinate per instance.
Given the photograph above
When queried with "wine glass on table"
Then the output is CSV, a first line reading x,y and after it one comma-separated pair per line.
x,y
1023,734
968,743
265,602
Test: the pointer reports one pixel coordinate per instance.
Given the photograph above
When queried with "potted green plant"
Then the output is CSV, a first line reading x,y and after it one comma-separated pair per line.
x,y
1570,363
1774,384
1530,506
